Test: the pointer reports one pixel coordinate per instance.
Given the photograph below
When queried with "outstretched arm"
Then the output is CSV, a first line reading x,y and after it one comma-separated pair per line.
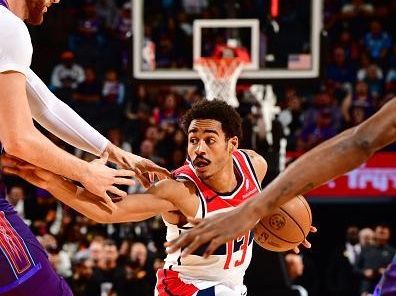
x,y
21,139
62,121
135,207
328,160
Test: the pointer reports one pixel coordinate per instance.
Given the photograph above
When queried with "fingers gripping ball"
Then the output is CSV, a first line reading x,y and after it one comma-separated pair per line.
x,y
286,227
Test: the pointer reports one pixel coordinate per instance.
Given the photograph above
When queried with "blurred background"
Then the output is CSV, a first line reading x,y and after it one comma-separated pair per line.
x,y
127,68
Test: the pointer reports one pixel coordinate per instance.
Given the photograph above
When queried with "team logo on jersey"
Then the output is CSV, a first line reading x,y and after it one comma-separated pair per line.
x,y
277,221
13,247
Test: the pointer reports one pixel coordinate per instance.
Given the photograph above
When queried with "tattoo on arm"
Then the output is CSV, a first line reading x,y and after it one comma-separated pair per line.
x,y
306,188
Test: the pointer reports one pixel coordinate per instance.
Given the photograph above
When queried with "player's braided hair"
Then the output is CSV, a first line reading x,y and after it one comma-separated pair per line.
x,y
231,122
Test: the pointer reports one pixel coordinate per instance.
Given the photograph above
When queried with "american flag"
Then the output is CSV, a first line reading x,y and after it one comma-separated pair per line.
x,y
299,62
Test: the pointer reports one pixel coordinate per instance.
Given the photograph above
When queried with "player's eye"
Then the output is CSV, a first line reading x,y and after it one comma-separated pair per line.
x,y
193,141
210,141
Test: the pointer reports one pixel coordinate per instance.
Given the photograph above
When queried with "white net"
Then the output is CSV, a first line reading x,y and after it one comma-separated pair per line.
x,y
220,76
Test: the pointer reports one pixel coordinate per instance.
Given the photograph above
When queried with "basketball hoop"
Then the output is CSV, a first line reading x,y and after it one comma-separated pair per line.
x,y
220,76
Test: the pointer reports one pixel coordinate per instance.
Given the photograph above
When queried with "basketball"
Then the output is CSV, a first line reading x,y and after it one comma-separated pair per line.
x,y
286,227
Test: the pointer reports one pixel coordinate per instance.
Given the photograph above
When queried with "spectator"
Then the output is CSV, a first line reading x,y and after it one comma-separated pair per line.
x,y
366,237
342,279
374,79
135,275
59,259
292,117
108,270
377,42
87,41
66,76
355,15
167,113
356,7
106,11
340,71
295,269
360,98
42,211
373,69
113,96
374,259
96,252
317,133
123,23
138,111
113,91
349,45
82,282
87,96
16,197
147,150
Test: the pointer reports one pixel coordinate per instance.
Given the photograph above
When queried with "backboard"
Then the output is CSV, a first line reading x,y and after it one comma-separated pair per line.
x,y
281,37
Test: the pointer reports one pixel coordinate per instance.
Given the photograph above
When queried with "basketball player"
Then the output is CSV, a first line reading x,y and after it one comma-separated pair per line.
x,y
330,159
24,267
216,178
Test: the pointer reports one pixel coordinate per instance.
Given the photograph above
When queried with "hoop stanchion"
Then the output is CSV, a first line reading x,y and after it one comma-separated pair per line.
x,y
220,76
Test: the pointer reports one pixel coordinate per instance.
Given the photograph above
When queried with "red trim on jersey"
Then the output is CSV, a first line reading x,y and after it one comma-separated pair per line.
x,y
169,284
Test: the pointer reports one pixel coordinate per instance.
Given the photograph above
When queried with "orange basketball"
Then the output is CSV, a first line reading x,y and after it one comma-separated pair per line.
x,y
286,227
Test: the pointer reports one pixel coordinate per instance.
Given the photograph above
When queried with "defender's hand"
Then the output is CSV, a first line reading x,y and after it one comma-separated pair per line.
x,y
217,230
145,170
101,180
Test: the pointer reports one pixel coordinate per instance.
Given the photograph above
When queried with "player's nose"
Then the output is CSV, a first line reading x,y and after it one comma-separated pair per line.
x,y
200,148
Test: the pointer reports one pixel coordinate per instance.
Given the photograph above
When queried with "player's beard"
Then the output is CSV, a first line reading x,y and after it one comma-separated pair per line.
x,y
35,10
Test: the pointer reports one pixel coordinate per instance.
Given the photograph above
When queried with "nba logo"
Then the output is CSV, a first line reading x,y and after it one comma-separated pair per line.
x,y
148,55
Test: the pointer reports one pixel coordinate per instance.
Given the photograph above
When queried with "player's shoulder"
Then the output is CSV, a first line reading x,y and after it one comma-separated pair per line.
x,y
254,157
10,23
259,163
12,29
15,43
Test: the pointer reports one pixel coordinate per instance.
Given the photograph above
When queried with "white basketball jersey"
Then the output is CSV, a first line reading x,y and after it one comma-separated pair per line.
x,y
15,45
229,262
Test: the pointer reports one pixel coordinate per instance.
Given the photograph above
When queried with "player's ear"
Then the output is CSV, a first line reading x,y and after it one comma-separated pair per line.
x,y
233,144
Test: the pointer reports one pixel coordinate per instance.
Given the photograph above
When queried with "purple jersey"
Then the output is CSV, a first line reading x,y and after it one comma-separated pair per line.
x,y
387,285
24,265
4,3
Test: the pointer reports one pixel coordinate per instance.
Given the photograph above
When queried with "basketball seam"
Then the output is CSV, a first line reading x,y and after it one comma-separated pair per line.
x,y
278,237
295,221
305,205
